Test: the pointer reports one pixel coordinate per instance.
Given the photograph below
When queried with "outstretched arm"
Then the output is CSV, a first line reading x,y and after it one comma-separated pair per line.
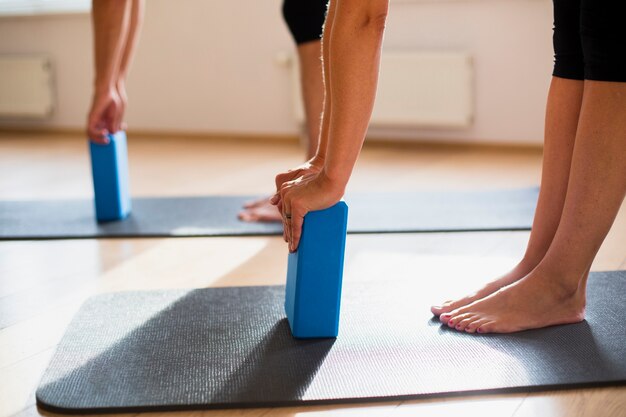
x,y
355,47
316,162
110,26
354,43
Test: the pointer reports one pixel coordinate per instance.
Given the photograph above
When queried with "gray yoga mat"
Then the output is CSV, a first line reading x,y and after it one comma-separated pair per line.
x,y
231,347
217,215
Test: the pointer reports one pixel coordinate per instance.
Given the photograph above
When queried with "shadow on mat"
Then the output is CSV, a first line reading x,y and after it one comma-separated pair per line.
x,y
188,351
230,347
280,368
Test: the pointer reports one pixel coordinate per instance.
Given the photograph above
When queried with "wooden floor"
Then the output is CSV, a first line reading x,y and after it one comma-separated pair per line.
x,y
42,283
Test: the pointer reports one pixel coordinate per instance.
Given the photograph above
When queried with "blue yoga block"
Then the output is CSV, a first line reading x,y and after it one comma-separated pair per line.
x,y
314,274
109,166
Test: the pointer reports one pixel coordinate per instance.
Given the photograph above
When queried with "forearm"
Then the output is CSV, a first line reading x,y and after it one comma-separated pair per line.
x,y
128,51
354,49
110,27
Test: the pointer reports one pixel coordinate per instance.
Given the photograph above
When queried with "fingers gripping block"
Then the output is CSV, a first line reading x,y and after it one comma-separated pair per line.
x,y
109,165
314,274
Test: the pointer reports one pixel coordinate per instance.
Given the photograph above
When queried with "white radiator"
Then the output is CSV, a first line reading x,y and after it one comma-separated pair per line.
x,y
418,89
25,87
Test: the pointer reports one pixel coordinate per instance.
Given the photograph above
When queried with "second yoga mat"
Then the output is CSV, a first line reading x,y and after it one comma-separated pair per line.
x,y
452,211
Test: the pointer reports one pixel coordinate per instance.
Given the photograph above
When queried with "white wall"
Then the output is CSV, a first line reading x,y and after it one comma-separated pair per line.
x,y
210,66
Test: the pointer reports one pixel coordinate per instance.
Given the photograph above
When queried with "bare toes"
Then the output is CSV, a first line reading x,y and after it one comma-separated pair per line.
x,y
247,216
454,315
450,306
456,318
476,323
445,318
250,204
256,203
440,309
487,327
462,325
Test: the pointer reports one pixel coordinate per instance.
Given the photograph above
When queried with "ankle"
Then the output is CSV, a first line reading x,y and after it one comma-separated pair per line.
x,y
529,262
563,283
525,266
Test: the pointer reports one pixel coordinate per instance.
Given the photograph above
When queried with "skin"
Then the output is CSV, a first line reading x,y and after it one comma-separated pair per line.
x,y
554,292
116,25
562,114
353,33
583,186
312,83
116,28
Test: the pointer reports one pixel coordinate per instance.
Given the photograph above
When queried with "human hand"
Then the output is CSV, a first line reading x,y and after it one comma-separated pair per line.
x,y
105,116
297,197
310,167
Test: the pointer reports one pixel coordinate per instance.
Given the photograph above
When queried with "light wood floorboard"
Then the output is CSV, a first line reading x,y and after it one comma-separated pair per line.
x,y
43,283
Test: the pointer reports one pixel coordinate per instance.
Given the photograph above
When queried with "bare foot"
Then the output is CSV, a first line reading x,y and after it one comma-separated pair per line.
x,y
260,211
255,203
521,270
535,301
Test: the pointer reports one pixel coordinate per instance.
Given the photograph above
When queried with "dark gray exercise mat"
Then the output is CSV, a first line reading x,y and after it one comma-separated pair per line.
x,y
231,347
217,215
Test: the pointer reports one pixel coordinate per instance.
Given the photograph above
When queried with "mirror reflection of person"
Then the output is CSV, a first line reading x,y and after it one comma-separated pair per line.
x,y
583,182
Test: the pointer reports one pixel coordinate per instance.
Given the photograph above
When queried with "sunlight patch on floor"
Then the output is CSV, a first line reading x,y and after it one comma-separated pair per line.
x,y
182,263
449,275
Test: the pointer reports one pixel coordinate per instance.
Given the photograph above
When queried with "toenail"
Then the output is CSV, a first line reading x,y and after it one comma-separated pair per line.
x,y
478,330
451,323
458,326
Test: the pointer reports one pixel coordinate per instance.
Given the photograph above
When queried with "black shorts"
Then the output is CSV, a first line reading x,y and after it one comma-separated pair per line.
x,y
305,19
590,39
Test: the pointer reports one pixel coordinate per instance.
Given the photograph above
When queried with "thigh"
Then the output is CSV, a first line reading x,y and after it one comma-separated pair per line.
x,y
568,52
305,19
603,34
